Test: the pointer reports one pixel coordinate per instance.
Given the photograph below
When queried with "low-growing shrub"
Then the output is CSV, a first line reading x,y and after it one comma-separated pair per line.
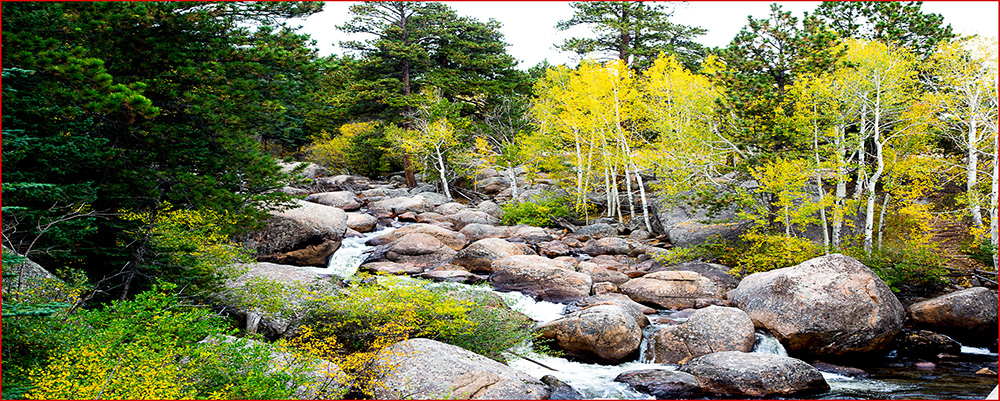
x,y
539,212
472,319
900,266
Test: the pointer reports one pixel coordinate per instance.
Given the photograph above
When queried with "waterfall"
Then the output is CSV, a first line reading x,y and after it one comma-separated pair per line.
x,y
768,344
345,262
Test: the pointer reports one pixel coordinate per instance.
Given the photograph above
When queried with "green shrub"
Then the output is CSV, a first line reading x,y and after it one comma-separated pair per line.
x,y
475,320
539,212
980,251
361,148
754,252
901,266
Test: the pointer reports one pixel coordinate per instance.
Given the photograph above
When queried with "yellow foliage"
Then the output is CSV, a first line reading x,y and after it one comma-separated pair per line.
x,y
98,372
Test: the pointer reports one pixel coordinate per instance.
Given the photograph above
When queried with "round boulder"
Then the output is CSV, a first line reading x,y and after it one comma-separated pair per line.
x,y
742,374
968,315
420,368
541,278
603,334
361,222
479,256
708,330
827,306
477,231
398,206
608,246
419,249
340,199
662,384
597,230
673,290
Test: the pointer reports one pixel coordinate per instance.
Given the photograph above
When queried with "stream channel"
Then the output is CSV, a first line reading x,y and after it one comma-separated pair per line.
x,y
890,377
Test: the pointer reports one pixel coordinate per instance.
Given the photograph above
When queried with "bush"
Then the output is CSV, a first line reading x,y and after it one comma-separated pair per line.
x,y
361,148
472,319
146,348
980,251
754,252
540,212
900,266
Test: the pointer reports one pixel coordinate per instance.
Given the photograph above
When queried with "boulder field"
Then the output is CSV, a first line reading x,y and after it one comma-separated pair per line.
x,y
607,274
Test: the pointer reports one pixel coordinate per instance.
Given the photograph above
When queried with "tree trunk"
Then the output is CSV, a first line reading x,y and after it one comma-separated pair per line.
x,y
881,220
971,175
873,181
513,181
995,215
819,189
441,173
841,191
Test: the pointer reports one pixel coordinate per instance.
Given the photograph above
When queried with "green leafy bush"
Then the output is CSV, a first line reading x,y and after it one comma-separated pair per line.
x,y
539,212
361,148
475,320
979,250
901,266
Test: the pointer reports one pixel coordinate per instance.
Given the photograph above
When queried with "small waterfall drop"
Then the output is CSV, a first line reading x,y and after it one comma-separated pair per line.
x,y
768,344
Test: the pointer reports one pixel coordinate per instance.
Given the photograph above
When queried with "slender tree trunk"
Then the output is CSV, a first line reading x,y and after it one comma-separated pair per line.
x,y
994,214
513,181
441,173
873,181
971,175
881,220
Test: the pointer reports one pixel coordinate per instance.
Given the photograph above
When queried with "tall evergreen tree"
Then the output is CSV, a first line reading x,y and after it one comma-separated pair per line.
x,y
634,31
162,102
896,23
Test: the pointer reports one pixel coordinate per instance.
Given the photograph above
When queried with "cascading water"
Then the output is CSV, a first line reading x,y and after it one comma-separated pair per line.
x,y
596,381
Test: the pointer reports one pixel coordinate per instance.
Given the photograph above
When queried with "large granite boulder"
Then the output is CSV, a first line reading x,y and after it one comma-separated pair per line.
x,y
466,217
480,255
969,315
827,306
601,333
477,231
309,170
708,330
490,208
300,285
597,230
602,274
454,240
742,374
608,246
715,272
361,222
418,249
313,229
674,290
541,278
688,226
397,206
662,384
420,368
340,199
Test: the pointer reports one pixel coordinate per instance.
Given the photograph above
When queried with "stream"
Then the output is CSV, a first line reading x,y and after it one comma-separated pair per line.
x,y
890,377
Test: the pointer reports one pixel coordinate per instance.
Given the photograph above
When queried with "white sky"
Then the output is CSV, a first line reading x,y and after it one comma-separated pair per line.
x,y
529,26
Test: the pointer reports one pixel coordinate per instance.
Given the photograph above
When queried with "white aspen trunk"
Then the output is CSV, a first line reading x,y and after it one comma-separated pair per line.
x,y
513,181
873,181
645,204
579,172
628,190
859,185
881,220
441,172
841,191
607,188
971,175
994,214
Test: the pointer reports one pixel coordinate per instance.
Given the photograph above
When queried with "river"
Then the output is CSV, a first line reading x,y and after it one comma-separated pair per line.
x,y
890,377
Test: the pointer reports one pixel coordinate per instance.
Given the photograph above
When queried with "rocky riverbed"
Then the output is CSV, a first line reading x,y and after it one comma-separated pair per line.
x,y
630,326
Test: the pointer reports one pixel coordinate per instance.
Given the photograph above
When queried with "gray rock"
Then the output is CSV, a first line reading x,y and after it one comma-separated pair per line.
x,y
636,310
309,225
298,284
541,278
708,330
490,208
450,208
339,199
662,384
433,198
311,170
742,374
398,206
477,231
597,230
673,290
968,315
600,333
715,272
688,226
419,189
391,268
466,217
554,248
426,369
419,249
362,223
480,255
560,390
828,306
602,274
608,246
452,239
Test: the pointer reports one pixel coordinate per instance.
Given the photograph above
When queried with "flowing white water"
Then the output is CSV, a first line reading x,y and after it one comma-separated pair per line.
x,y
346,260
977,351
768,344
